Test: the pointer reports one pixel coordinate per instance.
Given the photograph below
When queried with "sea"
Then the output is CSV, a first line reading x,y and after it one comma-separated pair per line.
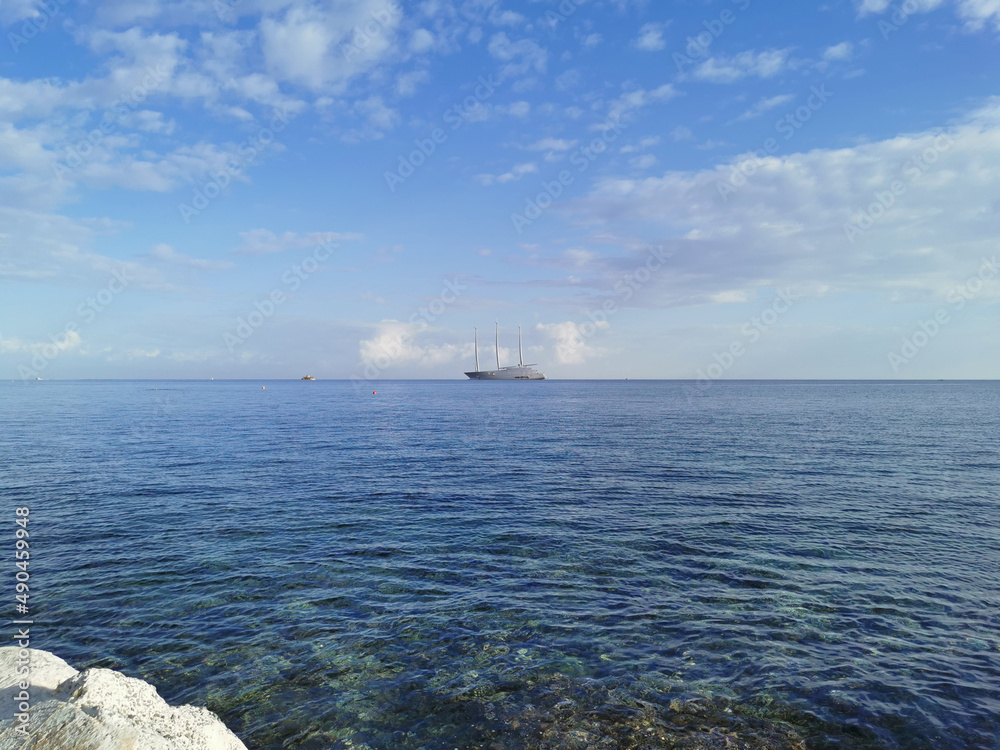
x,y
442,565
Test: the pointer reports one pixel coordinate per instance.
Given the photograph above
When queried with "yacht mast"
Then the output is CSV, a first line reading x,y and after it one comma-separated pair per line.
x,y
477,349
520,354
498,345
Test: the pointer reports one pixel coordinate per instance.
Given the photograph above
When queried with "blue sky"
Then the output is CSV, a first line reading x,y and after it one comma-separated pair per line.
x,y
346,188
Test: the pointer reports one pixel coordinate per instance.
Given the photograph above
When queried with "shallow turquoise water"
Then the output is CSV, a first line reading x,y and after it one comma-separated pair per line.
x,y
508,565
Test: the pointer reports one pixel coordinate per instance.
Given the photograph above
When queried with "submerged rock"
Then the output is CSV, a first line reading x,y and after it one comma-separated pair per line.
x,y
97,709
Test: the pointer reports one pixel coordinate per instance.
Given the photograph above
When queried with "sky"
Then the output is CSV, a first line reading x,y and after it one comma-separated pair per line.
x,y
703,189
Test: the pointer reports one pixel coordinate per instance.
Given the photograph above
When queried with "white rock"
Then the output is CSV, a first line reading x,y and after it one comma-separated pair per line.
x,y
47,672
99,709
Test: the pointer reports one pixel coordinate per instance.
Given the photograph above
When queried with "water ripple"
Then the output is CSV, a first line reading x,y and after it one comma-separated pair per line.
x,y
560,565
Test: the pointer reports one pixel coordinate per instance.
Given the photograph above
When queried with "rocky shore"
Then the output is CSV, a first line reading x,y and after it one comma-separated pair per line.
x,y
59,708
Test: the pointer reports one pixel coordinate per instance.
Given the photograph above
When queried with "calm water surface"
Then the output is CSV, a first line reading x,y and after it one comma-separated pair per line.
x,y
525,565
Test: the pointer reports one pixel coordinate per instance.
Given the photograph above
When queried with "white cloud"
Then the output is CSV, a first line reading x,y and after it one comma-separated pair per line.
x,y
298,47
379,118
643,143
114,163
975,12
151,122
650,38
766,64
522,57
787,224
552,144
9,345
167,254
505,18
632,101
143,12
142,69
41,247
12,11
516,173
421,40
395,343
866,7
710,144
137,62
571,342
26,148
478,112
872,6
579,257
765,105
643,162
142,353
514,109
324,49
66,341
838,52
264,241
568,80
407,83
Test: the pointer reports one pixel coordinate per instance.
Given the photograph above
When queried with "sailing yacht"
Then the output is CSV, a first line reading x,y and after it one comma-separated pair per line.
x,y
519,371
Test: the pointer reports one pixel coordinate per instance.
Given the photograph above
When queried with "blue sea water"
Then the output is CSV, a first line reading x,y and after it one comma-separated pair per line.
x,y
525,565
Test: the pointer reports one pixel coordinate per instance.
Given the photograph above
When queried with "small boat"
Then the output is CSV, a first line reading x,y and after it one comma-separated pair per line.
x,y
308,377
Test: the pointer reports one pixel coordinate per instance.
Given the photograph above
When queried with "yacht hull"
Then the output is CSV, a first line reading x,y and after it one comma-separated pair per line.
x,y
507,373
